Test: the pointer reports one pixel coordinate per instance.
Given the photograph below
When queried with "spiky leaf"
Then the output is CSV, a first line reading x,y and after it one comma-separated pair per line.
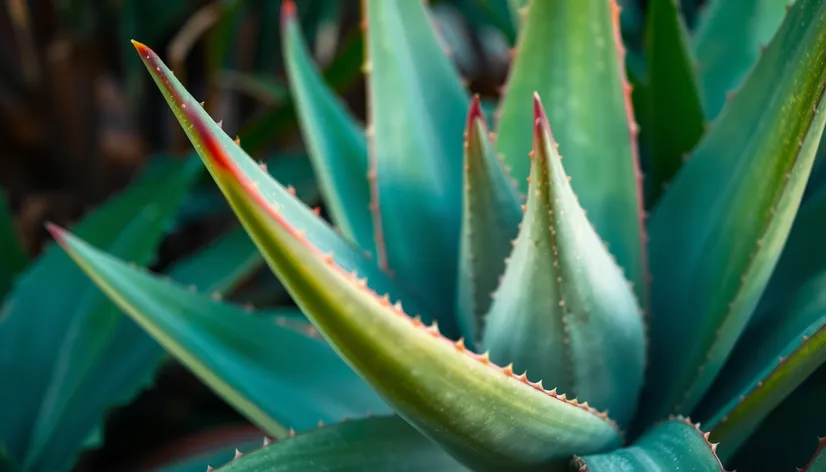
x,y
727,43
817,463
564,311
377,444
718,231
771,360
216,149
56,346
417,117
674,445
426,378
337,145
276,375
590,107
675,113
491,215
14,258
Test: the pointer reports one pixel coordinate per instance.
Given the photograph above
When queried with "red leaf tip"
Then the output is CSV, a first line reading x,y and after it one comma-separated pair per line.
x,y
142,49
540,119
287,11
474,112
56,231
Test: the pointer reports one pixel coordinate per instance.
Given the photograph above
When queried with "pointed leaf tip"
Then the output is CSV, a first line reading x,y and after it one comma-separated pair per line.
x,y
56,231
474,112
540,118
141,48
287,11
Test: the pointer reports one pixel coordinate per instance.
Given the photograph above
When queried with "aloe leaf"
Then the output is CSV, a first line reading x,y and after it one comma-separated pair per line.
x,y
276,375
14,257
490,219
674,443
220,454
55,346
337,145
770,361
564,312
378,444
717,233
590,107
417,118
676,115
789,434
217,149
817,463
506,422
727,43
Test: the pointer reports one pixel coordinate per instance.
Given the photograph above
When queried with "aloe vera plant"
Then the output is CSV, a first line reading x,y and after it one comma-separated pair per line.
x,y
518,311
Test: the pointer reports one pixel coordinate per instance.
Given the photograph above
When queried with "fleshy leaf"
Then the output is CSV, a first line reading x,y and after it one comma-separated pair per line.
x,y
277,376
818,461
564,311
769,362
56,347
14,258
506,422
788,436
417,108
380,444
491,216
718,231
727,43
675,113
673,445
202,129
337,145
590,107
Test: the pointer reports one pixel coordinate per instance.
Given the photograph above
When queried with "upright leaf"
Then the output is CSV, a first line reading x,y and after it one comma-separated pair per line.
x,y
417,117
217,150
14,258
564,312
718,231
571,53
727,43
54,345
490,219
673,445
675,113
505,422
276,375
337,145
381,444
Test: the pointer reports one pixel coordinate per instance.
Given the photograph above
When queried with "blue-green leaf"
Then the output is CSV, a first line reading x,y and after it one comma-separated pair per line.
x,y
337,145
817,463
217,151
674,445
727,43
275,374
491,216
417,119
588,102
57,332
564,312
717,233
770,361
381,444
14,258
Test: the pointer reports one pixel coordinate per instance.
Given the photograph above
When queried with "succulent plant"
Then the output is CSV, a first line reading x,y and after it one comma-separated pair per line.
x,y
515,313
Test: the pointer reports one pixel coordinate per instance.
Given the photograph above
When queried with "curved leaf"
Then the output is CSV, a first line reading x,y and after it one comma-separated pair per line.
x,y
14,257
201,130
337,145
56,346
727,43
564,312
277,376
771,360
490,220
417,109
374,444
590,107
674,445
675,113
505,422
718,231
817,463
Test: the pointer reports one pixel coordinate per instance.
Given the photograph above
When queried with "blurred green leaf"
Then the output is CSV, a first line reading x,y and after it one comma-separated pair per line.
x,y
15,259
54,345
